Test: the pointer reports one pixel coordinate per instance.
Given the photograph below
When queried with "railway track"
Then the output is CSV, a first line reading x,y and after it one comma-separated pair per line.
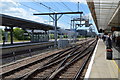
x,y
10,53
47,61
19,52
74,68
65,68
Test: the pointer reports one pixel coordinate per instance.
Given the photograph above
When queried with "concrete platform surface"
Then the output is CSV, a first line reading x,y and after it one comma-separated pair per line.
x,y
116,56
100,68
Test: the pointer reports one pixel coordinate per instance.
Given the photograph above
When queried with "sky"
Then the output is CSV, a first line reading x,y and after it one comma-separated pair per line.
x,y
26,8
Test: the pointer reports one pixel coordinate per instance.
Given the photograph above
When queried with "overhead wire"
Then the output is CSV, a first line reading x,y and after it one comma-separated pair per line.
x,y
56,6
66,6
60,11
45,6
28,7
51,9
35,9
65,14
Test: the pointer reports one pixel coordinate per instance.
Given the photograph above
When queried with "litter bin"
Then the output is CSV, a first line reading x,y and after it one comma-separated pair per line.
x,y
109,53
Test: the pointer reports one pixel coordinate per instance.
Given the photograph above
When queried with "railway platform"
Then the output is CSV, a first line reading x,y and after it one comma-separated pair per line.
x,y
100,67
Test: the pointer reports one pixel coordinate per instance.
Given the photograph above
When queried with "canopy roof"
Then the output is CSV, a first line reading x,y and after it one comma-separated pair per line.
x,y
22,23
105,13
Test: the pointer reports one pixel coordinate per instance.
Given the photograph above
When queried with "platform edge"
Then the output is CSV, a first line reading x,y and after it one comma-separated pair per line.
x,y
91,63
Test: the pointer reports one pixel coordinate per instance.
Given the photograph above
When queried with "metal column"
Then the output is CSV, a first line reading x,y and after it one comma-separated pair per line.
x,y
11,35
55,30
32,36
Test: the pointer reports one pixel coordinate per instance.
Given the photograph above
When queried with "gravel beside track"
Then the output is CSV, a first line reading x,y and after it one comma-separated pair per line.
x,y
40,63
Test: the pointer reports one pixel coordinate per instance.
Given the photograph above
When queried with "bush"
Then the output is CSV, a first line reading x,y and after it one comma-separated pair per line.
x,y
65,36
19,34
52,36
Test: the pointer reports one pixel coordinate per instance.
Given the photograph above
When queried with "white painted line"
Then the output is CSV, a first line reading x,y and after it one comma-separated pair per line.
x,y
23,45
91,63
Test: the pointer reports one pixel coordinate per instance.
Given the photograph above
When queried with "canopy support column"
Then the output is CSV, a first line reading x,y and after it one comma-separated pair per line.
x,y
11,35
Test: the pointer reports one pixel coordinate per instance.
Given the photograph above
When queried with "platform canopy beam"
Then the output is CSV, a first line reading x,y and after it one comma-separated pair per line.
x,y
59,13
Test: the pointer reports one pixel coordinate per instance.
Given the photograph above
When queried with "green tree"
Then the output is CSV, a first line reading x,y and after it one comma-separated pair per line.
x,y
65,36
1,34
51,36
18,33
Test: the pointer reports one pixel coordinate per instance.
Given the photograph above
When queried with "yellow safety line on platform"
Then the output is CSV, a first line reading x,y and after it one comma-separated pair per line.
x,y
116,65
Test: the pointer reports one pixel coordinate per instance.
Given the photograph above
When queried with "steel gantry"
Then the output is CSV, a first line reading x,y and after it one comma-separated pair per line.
x,y
74,26
55,18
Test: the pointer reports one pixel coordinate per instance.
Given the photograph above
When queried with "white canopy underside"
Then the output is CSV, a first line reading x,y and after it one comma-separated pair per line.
x,y
106,13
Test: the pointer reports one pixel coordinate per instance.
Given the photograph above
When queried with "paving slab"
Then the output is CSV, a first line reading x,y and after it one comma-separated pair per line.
x,y
101,68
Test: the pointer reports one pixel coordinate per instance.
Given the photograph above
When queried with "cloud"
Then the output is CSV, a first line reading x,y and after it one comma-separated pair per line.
x,y
63,26
11,1
13,9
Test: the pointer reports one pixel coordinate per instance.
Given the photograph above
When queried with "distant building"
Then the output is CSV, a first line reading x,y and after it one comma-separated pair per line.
x,y
82,32
91,34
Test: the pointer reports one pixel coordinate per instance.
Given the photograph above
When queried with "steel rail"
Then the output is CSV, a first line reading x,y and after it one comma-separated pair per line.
x,y
22,67
39,69
20,77
77,57
83,66
55,55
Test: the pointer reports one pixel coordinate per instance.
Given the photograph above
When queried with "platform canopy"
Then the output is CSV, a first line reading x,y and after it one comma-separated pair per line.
x,y
23,23
115,19
105,13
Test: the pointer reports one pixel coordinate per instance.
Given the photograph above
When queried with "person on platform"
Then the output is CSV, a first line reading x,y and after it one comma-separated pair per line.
x,y
97,37
3,40
104,38
109,41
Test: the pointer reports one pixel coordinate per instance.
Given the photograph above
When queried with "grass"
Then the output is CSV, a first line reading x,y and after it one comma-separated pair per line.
x,y
16,41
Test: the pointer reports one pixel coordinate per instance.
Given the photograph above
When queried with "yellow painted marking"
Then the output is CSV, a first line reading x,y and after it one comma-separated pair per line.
x,y
116,65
